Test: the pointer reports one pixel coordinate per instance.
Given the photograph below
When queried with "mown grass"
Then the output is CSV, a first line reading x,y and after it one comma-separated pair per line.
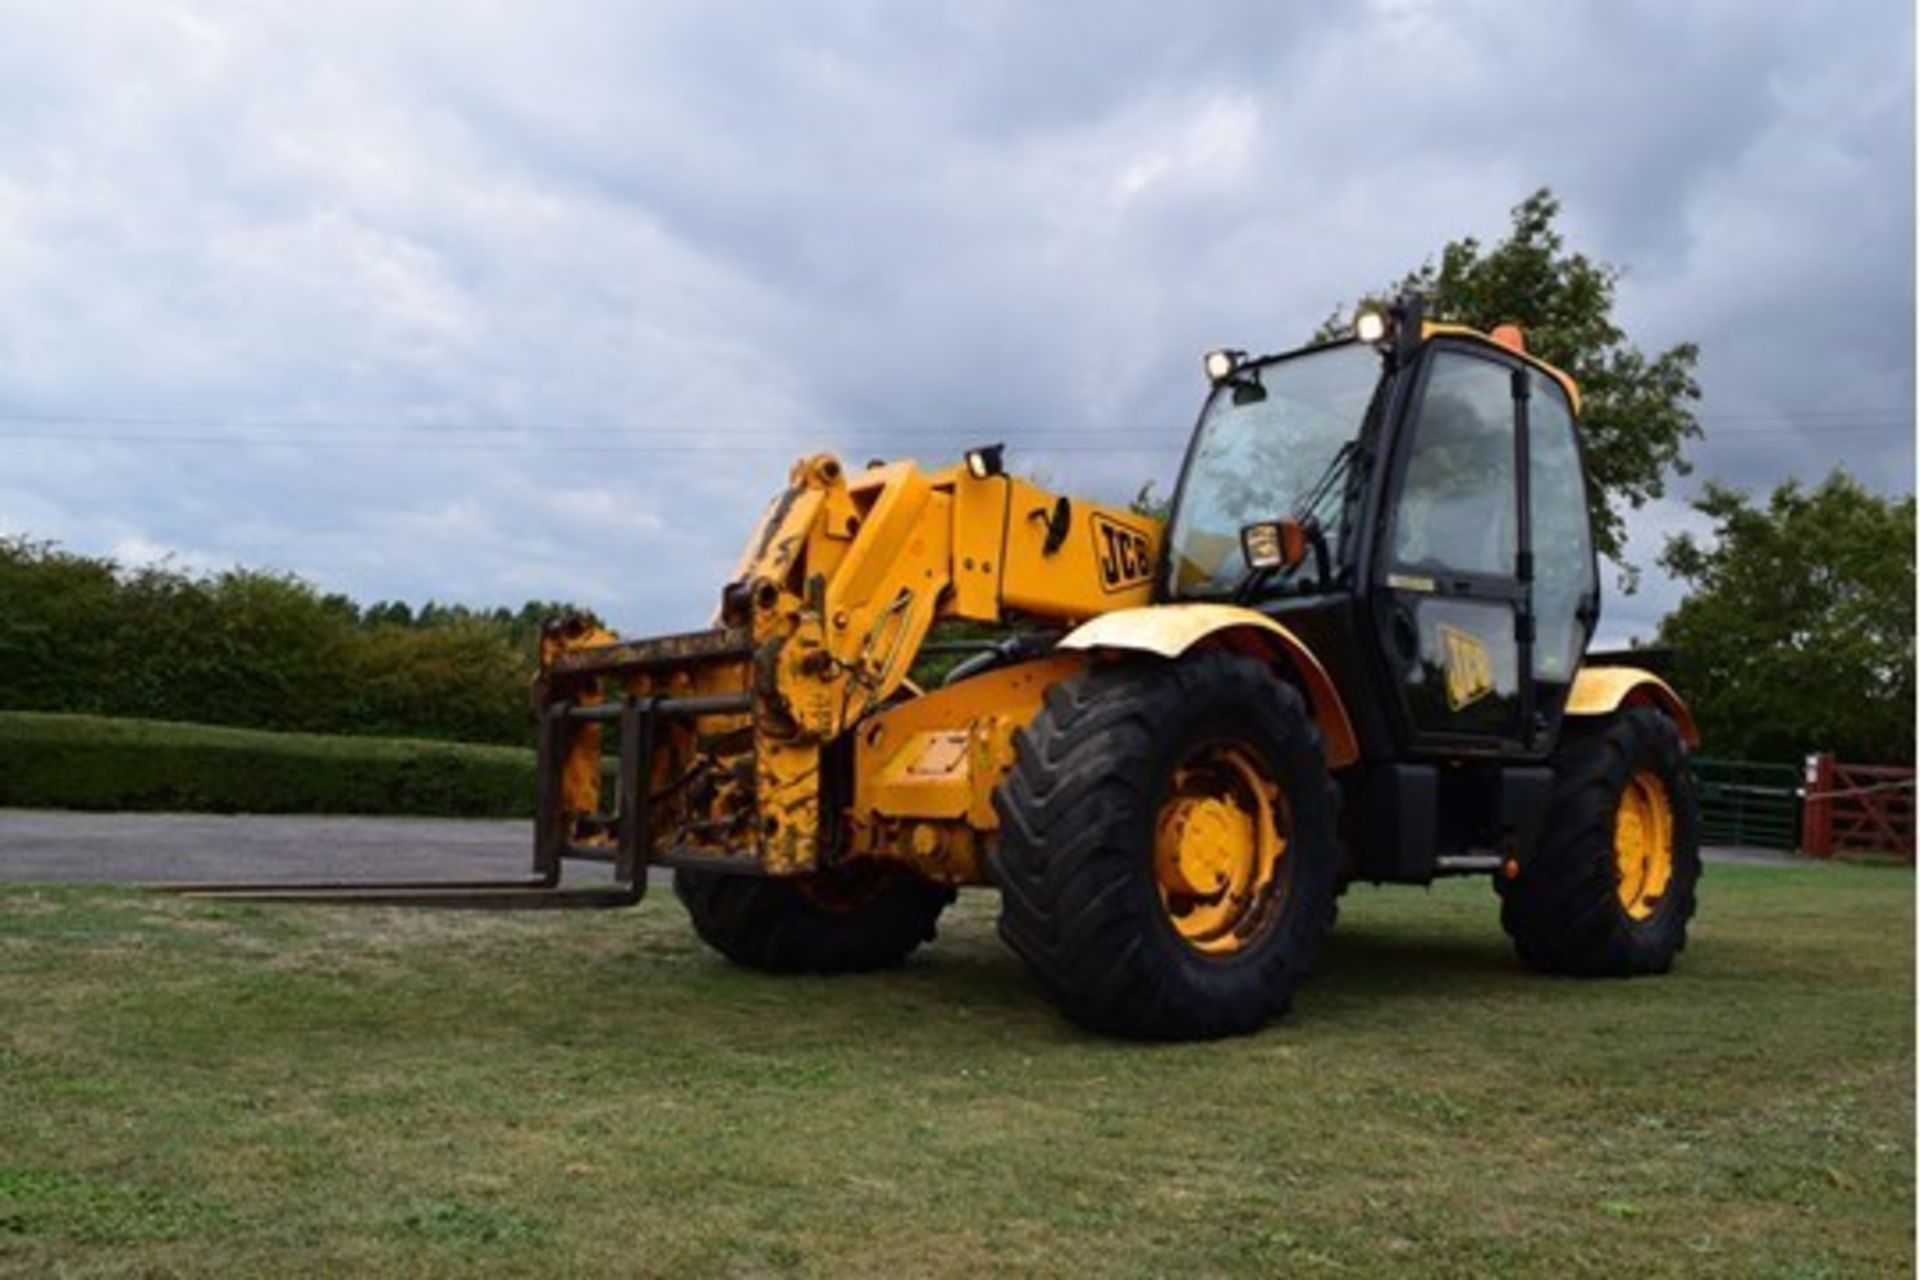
x,y
191,1088
50,761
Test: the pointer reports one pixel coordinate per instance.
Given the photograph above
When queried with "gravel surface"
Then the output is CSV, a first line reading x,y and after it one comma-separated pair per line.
x,y
45,845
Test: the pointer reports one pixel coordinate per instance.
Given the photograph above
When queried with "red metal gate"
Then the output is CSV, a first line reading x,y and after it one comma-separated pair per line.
x,y
1858,808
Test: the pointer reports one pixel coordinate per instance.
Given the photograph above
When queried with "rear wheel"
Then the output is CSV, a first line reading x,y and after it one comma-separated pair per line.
x,y
1167,854
1611,887
847,920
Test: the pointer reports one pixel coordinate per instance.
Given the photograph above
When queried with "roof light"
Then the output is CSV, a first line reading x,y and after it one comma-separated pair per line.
x,y
1221,364
1370,325
986,461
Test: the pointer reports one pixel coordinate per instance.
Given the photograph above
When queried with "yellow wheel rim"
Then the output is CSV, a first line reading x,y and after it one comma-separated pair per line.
x,y
1218,844
1643,844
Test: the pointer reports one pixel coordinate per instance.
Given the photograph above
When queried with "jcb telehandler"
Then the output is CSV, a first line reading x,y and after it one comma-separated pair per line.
x,y
1355,650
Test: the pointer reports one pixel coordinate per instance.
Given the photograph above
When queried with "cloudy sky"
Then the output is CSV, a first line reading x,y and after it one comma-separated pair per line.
x,y
484,302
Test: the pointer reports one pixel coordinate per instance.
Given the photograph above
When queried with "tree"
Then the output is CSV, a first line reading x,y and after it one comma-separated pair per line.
x,y
1148,503
1798,634
1636,410
265,650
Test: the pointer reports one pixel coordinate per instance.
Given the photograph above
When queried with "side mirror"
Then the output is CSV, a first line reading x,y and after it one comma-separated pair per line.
x,y
1274,544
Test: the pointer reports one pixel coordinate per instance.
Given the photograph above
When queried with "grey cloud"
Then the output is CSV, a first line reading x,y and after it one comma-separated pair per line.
x,y
659,252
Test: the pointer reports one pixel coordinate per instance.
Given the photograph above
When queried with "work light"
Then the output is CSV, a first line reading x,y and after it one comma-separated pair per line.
x,y
986,461
1221,364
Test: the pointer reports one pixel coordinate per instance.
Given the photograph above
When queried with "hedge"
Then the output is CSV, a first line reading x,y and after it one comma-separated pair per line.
x,y
57,761
256,650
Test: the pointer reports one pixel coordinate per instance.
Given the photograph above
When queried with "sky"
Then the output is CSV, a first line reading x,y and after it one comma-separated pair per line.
x,y
488,302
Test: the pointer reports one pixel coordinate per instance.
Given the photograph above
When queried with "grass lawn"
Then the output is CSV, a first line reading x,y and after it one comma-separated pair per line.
x,y
257,1090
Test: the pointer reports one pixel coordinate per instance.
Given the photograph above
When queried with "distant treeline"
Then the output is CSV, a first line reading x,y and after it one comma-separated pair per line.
x,y
259,650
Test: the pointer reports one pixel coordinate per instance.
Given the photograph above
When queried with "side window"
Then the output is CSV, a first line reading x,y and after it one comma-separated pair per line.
x,y
1457,506
1562,546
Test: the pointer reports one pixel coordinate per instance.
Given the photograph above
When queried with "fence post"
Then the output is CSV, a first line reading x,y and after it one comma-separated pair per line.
x,y
1817,831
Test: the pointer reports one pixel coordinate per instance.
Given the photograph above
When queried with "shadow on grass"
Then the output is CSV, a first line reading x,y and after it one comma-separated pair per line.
x,y
970,975
1368,958
1415,972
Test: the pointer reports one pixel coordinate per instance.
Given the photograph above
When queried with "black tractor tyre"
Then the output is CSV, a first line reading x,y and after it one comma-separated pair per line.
x,y
1564,911
832,922
1075,862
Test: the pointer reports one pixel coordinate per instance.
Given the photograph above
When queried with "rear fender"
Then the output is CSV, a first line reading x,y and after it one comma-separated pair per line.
x,y
1170,630
1599,691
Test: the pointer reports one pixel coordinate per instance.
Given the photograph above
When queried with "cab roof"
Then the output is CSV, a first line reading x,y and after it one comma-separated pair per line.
x,y
1510,339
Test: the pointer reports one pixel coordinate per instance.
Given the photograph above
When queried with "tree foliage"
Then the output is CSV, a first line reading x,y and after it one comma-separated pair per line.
x,y
1148,503
1637,412
1798,633
258,650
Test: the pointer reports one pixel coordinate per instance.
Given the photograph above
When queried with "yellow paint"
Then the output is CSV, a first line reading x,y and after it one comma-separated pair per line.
x,y
846,576
1169,630
1437,329
1599,691
936,760
580,770
1219,840
1643,844
925,774
836,592
1103,562
979,528
1469,670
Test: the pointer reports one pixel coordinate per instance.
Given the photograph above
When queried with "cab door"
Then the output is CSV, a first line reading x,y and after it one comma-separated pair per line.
x,y
1449,598
1565,580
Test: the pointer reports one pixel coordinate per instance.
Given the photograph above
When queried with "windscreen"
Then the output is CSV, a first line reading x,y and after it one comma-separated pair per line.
x,y
1264,442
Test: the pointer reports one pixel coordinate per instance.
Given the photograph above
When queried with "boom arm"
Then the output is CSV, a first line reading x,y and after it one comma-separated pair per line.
x,y
821,623
846,576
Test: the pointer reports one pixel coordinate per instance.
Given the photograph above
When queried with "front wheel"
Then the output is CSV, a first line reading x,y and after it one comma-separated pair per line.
x,y
1167,852
1610,888
846,920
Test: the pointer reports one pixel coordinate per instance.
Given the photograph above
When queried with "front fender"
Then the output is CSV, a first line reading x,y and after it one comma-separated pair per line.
x,y
1169,630
1599,690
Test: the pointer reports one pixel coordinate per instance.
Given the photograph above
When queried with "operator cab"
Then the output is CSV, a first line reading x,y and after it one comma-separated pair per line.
x,y
1411,502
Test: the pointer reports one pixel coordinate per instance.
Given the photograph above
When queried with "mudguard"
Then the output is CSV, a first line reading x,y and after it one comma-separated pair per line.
x,y
1169,630
1597,691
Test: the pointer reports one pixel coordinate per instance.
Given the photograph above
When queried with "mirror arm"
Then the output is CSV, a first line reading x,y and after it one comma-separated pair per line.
x,y
1255,579
1322,558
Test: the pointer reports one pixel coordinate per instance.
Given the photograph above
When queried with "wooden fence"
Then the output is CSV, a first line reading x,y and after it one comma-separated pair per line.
x,y
1857,808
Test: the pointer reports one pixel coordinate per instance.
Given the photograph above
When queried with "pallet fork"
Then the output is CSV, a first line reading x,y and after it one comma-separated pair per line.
x,y
630,848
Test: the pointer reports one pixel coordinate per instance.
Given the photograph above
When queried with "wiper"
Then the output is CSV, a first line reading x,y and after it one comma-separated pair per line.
x,y
1309,505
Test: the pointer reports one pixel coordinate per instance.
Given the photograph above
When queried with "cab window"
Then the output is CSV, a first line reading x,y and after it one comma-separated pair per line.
x,y
1456,510
1563,572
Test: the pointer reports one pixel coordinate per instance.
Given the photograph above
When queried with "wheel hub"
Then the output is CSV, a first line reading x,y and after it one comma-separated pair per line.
x,y
1643,844
1203,840
1218,845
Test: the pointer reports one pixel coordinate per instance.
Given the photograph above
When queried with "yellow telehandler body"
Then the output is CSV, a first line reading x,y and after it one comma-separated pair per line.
x,y
1356,648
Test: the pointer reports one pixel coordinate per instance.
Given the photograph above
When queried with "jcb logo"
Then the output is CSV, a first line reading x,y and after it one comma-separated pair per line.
x,y
1125,554
1469,671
